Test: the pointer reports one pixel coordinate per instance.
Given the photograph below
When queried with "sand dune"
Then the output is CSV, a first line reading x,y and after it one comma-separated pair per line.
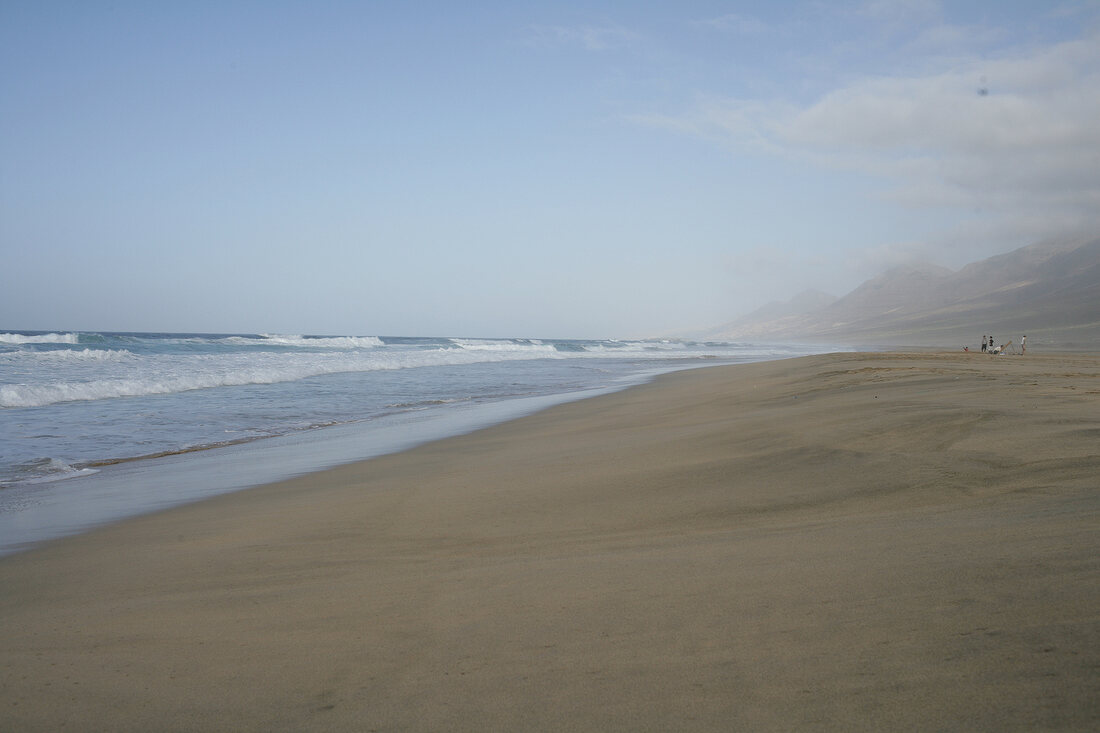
x,y
842,542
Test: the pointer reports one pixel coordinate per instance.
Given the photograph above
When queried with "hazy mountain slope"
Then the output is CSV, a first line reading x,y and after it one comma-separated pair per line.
x,y
1051,289
787,314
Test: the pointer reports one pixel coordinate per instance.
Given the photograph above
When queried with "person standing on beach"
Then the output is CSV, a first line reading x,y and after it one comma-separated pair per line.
x,y
1023,344
983,343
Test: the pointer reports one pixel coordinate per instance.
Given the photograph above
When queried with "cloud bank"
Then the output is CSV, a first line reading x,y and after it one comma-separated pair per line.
x,y
1014,136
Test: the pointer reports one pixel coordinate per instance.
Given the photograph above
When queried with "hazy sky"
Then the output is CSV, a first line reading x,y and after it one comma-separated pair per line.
x,y
550,169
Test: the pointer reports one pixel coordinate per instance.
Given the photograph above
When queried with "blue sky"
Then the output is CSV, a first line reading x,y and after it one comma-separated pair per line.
x,y
522,169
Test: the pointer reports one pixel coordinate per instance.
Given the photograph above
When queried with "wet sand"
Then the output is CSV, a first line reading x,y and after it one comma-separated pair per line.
x,y
841,542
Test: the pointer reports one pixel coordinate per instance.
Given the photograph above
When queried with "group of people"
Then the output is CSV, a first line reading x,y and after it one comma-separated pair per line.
x,y
987,346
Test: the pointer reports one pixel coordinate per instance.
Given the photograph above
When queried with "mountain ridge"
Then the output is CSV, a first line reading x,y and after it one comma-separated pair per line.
x,y
1051,288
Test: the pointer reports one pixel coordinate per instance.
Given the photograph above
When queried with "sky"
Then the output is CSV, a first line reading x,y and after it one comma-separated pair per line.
x,y
522,169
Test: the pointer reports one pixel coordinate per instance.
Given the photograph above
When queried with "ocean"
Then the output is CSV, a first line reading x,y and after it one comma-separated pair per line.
x,y
95,427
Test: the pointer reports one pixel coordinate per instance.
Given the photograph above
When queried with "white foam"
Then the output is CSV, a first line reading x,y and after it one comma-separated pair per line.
x,y
49,377
322,342
70,355
172,374
51,469
619,346
46,338
503,345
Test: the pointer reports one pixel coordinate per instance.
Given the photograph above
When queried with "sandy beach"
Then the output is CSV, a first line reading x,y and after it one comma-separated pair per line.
x,y
840,542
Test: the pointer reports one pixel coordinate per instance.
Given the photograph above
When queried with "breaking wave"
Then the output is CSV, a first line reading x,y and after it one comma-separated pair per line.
x,y
508,345
45,372
167,375
314,342
69,355
45,338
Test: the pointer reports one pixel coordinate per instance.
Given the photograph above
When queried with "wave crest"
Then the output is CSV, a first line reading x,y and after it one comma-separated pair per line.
x,y
316,342
42,338
521,345
71,355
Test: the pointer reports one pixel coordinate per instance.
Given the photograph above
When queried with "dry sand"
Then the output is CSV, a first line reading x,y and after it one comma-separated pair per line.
x,y
842,542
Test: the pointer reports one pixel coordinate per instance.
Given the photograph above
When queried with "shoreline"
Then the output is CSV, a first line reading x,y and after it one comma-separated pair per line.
x,y
843,542
116,490
98,492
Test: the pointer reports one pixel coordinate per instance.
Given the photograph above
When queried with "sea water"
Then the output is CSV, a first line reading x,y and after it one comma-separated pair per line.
x,y
98,426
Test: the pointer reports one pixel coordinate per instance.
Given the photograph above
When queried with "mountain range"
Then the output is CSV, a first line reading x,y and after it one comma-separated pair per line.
x,y
1049,291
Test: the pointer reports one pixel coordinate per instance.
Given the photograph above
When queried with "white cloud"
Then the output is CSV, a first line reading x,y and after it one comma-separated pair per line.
x,y
591,38
1075,8
736,23
944,38
901,11
1031,140
1014,136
